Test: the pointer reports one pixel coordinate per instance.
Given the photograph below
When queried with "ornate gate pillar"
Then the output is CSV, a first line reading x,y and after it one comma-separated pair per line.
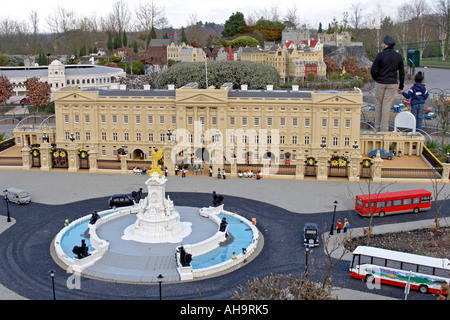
x,y
46,158
445,172
377,164
123,164
73,157
26,157
168,160
322,165
233,168
355,158
299,175
93,165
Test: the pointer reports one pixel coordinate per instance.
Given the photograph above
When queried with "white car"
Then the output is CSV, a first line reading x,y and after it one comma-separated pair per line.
x,y
16,195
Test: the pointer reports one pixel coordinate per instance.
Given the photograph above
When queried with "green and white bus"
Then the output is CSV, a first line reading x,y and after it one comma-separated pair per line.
x,y
426,274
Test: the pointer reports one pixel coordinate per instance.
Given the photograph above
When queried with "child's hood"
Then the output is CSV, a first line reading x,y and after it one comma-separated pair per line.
x,y
419,87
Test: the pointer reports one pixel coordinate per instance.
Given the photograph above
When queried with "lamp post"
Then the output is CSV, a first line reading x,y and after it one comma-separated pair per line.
x,y
160,277
334,213
8,219
323,144
355,145
52,275
169,134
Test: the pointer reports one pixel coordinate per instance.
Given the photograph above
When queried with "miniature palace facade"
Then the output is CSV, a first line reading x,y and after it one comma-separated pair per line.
x,y
222,127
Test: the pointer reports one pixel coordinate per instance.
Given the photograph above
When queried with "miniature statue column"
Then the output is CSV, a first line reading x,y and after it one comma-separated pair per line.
x,y
233,168
377,165
123,164
93,166
355,159
445,172
46,160
322,165
168,160
73,158
26,156
299,175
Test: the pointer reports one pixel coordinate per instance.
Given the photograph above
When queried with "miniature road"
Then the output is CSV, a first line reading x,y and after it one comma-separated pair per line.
x,y
281,208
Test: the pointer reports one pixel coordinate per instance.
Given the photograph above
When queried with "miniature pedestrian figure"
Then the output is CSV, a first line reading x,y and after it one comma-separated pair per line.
x,y
218,173
339,226
254,221
234,256
66,222
183,172
224,174
210,171
176,170
346,225
165,171
244,250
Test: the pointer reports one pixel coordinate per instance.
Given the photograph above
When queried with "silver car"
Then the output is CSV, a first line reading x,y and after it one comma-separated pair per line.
x,y
16,195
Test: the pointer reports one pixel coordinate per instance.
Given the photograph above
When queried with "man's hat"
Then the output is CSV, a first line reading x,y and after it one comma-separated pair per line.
x,y
389,41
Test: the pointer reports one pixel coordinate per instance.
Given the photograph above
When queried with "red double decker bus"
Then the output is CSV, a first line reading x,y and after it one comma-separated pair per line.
x,y
381,204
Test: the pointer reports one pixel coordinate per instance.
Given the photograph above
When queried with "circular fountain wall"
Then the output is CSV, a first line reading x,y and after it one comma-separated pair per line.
x,y
137,243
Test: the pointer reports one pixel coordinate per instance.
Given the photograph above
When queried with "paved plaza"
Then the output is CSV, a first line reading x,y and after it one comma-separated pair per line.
x,y
280,206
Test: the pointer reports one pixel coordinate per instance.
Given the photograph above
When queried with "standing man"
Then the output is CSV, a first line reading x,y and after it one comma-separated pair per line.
x,y
388,71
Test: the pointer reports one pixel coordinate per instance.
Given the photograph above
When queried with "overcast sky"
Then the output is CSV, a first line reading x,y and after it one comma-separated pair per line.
x,y
179,11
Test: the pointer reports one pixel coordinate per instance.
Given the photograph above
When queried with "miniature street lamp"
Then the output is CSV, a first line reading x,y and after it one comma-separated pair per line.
x,y
334,213
8,219
169,134
52,275
323,144
217,136
355,145
160,277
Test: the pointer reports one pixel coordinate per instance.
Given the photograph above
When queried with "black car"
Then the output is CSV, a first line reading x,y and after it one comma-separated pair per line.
x,y
310,235
120,200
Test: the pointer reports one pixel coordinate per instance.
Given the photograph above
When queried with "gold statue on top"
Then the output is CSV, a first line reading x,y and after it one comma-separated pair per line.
x,y
156,156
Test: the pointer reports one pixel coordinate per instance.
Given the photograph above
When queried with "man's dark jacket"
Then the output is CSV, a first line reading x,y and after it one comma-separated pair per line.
x,y
385,66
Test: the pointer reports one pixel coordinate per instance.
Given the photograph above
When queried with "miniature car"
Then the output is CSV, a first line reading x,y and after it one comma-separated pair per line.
x,y
16,195
383,154
120,200
310,235
429,115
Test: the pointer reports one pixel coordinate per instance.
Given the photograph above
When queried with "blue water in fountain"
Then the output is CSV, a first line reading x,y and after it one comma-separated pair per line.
x,y
240,231
242,238
75,234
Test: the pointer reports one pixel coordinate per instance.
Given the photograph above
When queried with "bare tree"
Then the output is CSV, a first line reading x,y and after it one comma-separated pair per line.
x,y
292,16
34,19
374,21
403,16
120,16
420,11
149,16
441,9
61,21
356,18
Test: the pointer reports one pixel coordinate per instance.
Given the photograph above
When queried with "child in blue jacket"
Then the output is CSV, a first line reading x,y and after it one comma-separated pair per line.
x,y
418,94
